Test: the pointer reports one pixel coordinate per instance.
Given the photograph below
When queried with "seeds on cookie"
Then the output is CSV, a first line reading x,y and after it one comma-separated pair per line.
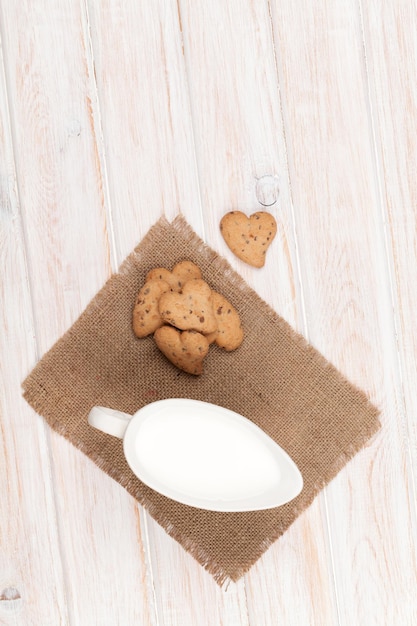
x,y
191,309
160,273
146,316
185,316
229,328
249,238
182,271
186,270
185,349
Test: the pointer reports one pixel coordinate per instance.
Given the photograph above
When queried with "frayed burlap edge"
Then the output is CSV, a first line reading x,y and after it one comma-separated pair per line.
x,y
222,578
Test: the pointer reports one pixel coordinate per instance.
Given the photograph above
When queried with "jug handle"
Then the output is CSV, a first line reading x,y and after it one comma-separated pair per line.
x,y
109,421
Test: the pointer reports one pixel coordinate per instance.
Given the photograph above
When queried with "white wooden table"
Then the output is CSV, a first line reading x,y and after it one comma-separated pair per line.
x,y
116,111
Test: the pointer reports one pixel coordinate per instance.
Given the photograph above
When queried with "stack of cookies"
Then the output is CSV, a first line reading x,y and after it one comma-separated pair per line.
x,y
185,316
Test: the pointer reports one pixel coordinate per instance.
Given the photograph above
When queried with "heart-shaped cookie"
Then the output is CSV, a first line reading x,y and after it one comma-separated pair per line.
x,y
146,316
249,237
229,333
181,272
191,309
185,349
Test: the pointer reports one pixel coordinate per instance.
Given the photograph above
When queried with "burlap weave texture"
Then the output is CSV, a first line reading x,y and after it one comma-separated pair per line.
x,y
275,379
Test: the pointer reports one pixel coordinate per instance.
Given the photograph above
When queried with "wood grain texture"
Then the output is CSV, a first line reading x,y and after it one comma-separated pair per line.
x,y
338,223
32,586
65,220
229,57
390,44
113,112
145,113
144,109
391,54
236,146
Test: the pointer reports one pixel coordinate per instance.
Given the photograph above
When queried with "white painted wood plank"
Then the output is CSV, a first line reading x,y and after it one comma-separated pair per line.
x,y
391,53
322,73
63,206
166,129
144,109
150,160
235,104
32,588
239,138
187,594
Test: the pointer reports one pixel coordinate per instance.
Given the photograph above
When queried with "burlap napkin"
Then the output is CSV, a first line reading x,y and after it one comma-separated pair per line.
x,y
275,378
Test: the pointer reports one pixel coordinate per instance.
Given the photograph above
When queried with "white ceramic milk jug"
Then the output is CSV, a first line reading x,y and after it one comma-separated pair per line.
x,y
203,455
